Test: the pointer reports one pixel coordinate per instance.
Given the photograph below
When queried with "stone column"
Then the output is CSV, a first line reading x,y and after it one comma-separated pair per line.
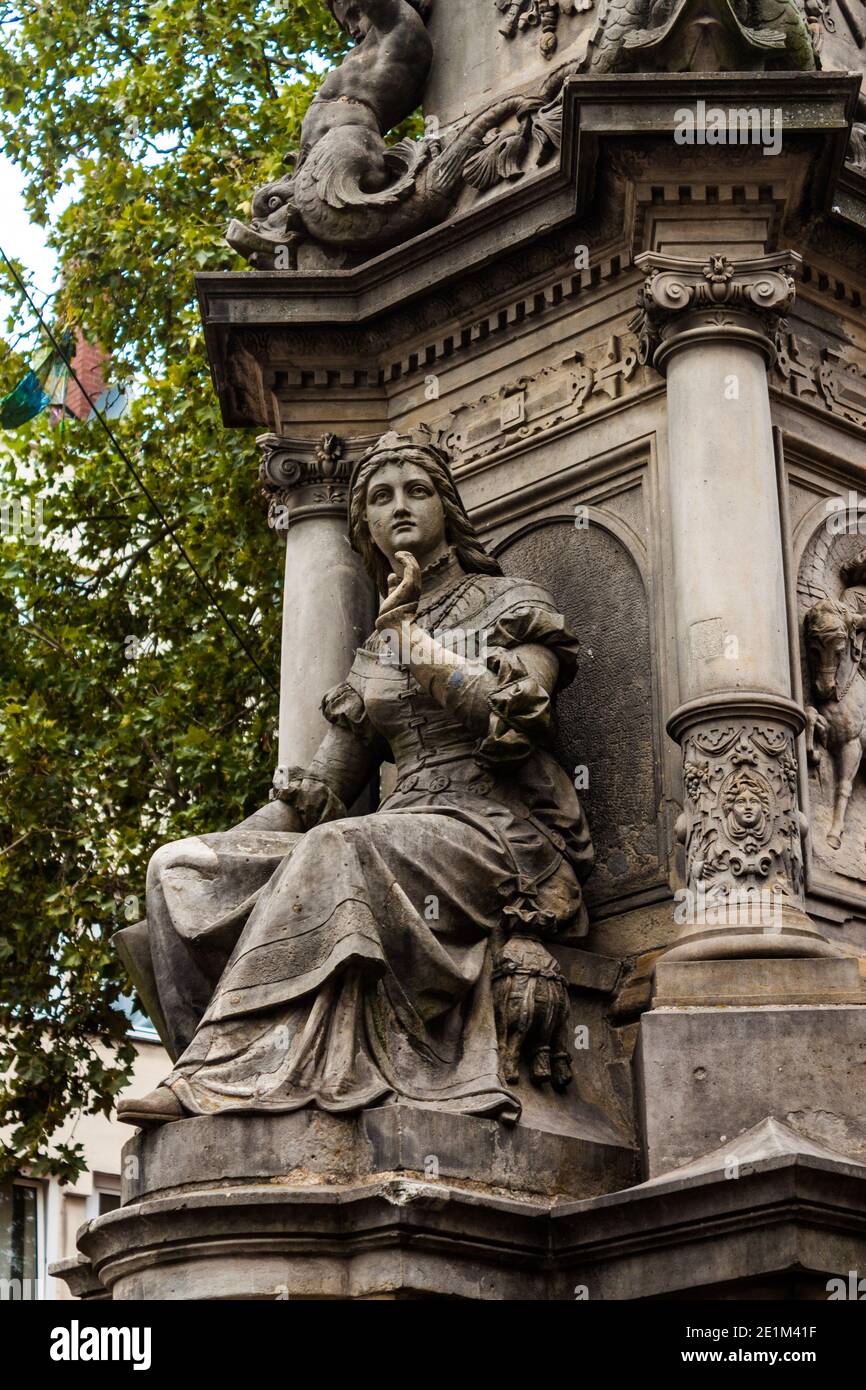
x,y
328,605
710,328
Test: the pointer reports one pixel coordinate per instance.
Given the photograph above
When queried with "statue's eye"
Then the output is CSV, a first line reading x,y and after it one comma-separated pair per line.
x,y
273,202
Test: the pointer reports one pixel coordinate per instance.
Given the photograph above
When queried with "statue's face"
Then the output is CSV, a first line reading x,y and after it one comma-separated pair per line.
x,y
747,809
351,18
405,512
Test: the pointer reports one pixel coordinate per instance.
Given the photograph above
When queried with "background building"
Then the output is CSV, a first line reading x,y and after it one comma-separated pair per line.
x,y
39,1217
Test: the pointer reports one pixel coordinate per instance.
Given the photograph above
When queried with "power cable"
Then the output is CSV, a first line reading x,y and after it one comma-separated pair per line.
x,y
127,461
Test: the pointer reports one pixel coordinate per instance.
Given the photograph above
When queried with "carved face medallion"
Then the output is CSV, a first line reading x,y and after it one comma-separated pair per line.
x,y
747,802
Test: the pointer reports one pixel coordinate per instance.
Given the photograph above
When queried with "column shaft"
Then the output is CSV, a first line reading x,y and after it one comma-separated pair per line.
x,y
327,614
328,599
710,326
730,597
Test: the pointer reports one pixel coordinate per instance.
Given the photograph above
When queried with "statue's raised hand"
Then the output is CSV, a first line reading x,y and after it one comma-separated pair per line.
x,y
403,594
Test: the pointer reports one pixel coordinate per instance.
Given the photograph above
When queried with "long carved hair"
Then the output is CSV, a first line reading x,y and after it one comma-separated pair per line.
x,y
459,530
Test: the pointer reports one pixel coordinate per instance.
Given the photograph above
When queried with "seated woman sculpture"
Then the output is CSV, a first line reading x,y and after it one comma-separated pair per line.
x,y
397,955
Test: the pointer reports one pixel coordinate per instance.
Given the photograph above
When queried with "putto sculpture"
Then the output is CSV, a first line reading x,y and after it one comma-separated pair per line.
x,y
313,958
348,188
351,192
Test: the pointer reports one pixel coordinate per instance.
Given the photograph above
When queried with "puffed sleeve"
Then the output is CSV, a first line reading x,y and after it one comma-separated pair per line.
x,y
344,708
519,711
311,798
519,706
537,624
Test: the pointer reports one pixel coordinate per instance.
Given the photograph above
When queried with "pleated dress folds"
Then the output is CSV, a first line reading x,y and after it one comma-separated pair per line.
x,y
364,970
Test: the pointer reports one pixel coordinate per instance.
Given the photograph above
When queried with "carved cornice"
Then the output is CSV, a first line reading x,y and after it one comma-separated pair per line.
x,y
584,382
821,377
307,478
687,301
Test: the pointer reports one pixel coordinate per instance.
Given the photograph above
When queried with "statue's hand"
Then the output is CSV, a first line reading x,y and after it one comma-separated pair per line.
x,y
312,800
403,594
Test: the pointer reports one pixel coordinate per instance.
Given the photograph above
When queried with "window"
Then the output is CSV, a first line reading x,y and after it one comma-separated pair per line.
x,y
19,1241
140,1026
105,1196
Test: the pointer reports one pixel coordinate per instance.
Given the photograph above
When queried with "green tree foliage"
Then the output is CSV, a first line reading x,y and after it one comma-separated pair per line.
x,y
128,713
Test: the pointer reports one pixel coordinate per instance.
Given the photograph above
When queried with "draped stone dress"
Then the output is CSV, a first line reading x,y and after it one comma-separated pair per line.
x,y
363,971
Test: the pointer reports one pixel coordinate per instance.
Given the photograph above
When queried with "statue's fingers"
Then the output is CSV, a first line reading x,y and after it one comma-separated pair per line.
x,y
411,568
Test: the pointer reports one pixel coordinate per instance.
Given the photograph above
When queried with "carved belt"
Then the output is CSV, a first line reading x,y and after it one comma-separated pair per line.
x,y
456,770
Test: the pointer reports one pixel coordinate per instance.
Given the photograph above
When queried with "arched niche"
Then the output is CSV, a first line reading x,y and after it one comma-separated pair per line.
x,y
605,719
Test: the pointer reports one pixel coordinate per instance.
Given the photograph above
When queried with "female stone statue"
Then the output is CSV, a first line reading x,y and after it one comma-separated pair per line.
x,y
372,957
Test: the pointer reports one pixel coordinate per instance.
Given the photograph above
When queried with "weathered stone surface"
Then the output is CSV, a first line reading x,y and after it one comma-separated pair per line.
x,y
708,1075
605,732
80,1279
780,1226
792,1220
741,983
310,1146
311,958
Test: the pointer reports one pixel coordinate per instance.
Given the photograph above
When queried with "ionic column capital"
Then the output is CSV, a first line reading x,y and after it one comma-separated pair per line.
x,y
307,478
685,302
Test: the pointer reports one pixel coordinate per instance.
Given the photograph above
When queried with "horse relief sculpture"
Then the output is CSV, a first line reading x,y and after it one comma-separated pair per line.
x,y
352,192
834,631
312,958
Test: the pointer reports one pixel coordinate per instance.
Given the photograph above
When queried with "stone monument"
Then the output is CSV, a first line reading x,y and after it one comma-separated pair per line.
x,y
542,975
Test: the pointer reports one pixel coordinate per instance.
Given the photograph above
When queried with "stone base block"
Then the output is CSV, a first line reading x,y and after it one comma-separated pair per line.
x,y
707,1075
781,1225
741,983
792,1220
314,1205
310,1146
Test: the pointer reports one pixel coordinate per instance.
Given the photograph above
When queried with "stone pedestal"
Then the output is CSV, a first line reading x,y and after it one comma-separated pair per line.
x,y
780,1225
790,1222
707,1075
394,1202
756,981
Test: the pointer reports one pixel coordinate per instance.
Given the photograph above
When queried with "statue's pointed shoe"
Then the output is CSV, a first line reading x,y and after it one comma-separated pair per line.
x,y
158,1107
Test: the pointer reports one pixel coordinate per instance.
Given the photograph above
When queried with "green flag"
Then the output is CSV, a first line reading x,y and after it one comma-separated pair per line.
x,y
43,385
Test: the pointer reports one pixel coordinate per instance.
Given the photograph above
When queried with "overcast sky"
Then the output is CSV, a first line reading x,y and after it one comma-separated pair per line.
x,y
18,237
